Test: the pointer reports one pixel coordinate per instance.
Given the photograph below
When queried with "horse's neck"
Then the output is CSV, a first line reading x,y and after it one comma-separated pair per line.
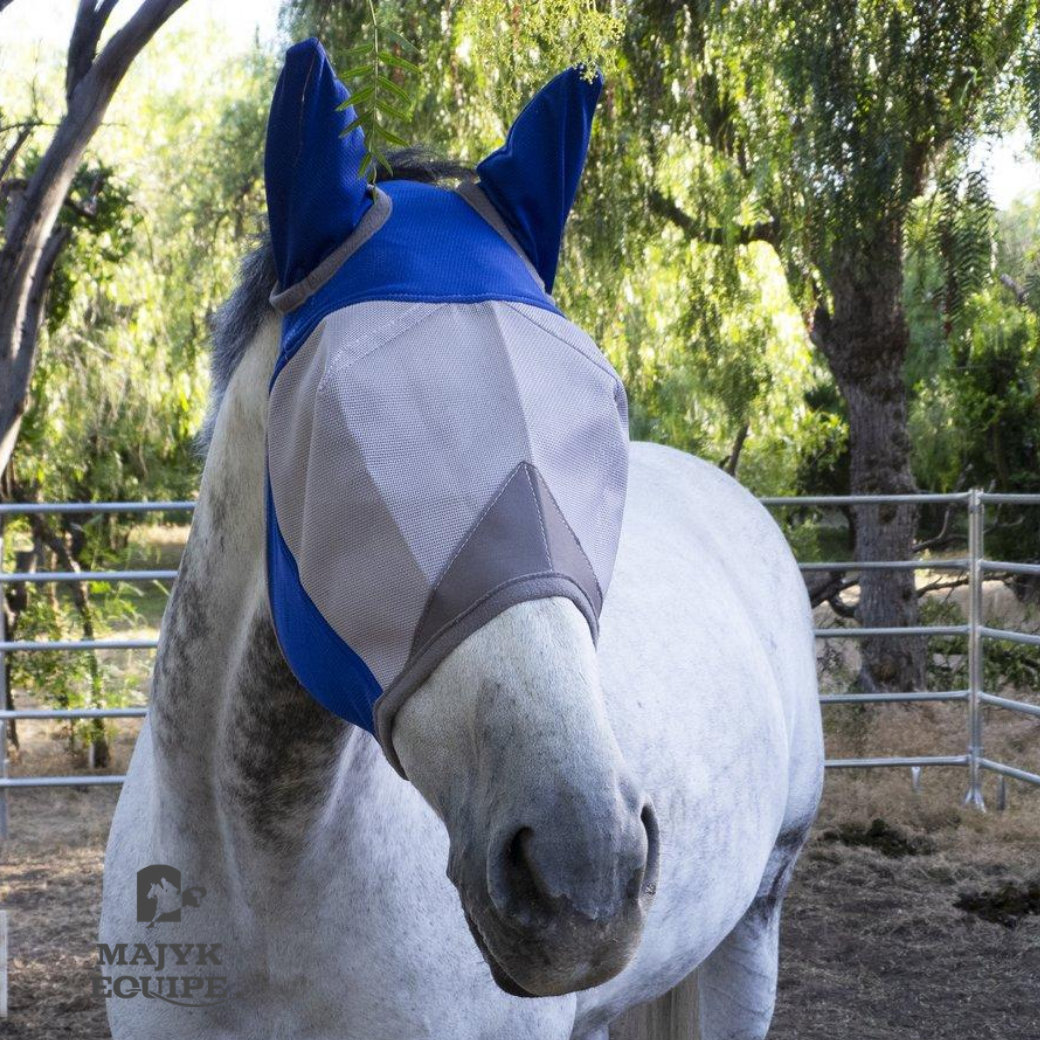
x,y
235,737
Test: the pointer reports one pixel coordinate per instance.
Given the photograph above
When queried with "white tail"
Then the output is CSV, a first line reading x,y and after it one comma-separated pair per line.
x,y
672,1016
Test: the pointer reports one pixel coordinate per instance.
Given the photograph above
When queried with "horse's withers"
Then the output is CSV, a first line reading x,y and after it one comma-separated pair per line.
x,y
554,845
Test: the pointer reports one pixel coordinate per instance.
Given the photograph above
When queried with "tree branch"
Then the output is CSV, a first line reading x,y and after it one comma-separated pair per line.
x,y
943,537
819,333
87,106
24,133
730,464
29,228
941,584
91,17
20,125
740,235
41,283
841,608
822,589
1020,294
87,209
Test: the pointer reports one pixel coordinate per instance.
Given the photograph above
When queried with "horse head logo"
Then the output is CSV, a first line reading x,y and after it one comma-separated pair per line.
x,y
159,895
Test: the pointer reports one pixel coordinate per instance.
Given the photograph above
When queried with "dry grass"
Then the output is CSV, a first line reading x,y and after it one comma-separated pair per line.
x,y
876,947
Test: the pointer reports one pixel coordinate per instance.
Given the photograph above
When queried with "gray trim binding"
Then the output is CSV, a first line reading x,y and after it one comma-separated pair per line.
x,y
475,195
374,218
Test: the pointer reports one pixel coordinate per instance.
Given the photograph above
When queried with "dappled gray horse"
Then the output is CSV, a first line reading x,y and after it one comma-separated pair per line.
x,y
583,822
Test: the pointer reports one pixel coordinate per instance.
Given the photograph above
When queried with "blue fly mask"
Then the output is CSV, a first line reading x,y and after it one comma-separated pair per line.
x,y
442,442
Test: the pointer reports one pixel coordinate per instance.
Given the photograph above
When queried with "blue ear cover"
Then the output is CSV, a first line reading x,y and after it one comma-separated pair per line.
x,y
315,193
532,179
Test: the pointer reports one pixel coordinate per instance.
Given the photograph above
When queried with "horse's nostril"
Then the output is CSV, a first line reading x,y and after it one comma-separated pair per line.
x,y
516,884
648,879
525,883
536,877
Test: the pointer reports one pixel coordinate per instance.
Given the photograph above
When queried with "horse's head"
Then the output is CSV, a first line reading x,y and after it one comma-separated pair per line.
x,y
553,843
447,460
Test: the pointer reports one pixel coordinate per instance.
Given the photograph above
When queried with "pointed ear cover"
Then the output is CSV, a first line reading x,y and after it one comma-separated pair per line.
x,y
532,179
315,194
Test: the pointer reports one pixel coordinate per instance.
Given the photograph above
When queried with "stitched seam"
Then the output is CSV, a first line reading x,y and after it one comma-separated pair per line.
x,y
541,519
410,297
584,555
289,299
601,363
383,336
477,198
464,297
538,575
465,541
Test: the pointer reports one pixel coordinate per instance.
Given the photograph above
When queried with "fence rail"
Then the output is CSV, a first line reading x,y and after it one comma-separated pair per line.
x,y
7,646
975,631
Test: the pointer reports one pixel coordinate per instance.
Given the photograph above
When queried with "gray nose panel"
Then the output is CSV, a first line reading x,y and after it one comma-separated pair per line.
x,y
521,535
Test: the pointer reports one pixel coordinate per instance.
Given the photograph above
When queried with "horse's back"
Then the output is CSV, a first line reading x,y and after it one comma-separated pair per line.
x,y
705,590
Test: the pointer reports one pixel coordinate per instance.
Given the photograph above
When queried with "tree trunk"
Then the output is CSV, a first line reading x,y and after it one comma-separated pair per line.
x,y
865,340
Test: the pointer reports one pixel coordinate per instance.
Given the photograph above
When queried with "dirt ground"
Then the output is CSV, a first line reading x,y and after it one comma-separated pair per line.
x,y
923,926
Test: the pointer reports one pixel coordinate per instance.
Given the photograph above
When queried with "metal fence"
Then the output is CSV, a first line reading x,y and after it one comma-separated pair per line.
x,y
975,631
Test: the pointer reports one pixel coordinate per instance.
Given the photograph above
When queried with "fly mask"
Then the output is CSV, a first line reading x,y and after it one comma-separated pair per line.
x,y
442,442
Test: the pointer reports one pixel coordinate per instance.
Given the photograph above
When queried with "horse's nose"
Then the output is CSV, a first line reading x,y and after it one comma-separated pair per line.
x,y
594,867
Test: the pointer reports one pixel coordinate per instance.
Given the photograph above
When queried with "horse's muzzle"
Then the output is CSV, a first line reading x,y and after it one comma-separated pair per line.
x,y
567,896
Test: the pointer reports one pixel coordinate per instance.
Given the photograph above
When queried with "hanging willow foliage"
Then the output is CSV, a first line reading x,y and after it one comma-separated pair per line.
x,y
522,41
382,89
963,239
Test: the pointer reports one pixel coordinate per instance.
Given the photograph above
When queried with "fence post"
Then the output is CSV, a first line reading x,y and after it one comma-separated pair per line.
x,y
975,660
3,964
3,692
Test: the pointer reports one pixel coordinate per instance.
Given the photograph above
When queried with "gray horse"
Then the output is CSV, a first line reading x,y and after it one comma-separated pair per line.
x,y
582,825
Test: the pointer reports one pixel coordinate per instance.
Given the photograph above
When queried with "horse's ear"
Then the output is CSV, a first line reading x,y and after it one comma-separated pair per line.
x,y
533,177
315,193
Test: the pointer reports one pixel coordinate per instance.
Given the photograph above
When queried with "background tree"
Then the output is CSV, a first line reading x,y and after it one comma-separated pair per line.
x,y
727,179
32,237
820,125
119,391
711,347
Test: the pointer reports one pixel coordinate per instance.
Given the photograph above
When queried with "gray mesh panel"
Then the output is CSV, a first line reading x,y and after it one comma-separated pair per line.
x,y
578,441
439,422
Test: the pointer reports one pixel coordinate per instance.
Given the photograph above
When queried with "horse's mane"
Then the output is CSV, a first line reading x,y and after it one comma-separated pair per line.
x,y
236,323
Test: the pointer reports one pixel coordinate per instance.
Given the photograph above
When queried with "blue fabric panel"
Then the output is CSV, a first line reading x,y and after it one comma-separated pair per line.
x,y
315,196
324,665
533,177
434,247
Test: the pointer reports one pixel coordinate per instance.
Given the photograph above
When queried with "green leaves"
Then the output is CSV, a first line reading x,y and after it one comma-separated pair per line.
x,y
963,238
525,43
382,92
